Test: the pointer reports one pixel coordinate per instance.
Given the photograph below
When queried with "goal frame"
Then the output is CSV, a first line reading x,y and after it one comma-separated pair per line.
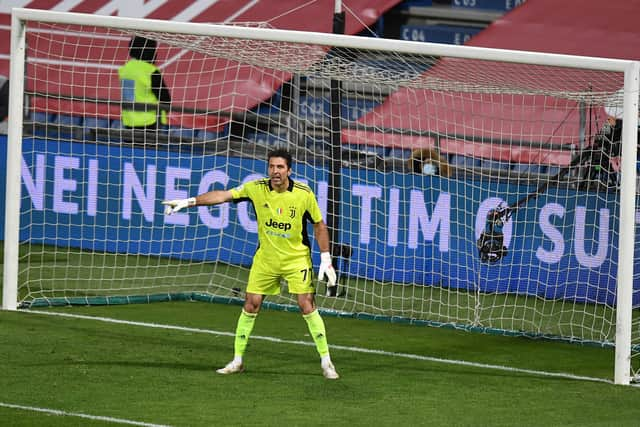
x,y
631,70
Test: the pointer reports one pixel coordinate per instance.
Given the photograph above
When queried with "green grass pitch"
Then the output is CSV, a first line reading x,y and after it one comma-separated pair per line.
x,y
154,364
99,372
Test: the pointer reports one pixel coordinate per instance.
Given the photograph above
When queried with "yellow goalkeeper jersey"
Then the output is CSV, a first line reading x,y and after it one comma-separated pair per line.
x,y
282,217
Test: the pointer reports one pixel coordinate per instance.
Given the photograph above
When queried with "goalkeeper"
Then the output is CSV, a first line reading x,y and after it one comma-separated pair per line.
x,y
282,208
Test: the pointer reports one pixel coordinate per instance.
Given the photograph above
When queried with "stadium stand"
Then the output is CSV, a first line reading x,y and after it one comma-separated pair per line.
x,y
197,116
486,23
519,29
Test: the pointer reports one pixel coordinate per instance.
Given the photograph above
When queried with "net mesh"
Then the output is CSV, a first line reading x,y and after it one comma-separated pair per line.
x,y
406,247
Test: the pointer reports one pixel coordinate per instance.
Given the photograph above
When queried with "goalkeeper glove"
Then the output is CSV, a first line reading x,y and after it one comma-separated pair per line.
x,y
173,206
327,268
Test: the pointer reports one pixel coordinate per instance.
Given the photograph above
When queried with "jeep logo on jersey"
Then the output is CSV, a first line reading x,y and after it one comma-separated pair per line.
x,y
278,225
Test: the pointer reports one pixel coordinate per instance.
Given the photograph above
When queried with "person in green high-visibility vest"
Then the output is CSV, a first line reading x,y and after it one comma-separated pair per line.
x,y
145,96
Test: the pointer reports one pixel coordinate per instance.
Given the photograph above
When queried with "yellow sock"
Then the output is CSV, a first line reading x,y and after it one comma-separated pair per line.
x,y
317,330
243,331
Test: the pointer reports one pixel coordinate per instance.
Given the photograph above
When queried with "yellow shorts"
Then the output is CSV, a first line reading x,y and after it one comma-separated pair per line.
x,y
265,276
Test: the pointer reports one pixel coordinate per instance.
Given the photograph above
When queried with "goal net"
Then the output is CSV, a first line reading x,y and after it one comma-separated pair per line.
x,y
465,187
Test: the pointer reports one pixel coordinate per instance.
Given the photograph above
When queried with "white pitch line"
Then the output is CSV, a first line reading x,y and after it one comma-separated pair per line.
x,y
337,347
80,415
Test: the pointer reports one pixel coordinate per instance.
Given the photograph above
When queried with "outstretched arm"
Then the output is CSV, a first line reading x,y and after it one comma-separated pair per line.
x,y
214,197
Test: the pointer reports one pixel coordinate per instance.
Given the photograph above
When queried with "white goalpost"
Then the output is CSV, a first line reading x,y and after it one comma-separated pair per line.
x,y
484,189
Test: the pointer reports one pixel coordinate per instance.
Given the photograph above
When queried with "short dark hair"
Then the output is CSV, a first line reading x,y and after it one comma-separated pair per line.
x,y
143,48
281,152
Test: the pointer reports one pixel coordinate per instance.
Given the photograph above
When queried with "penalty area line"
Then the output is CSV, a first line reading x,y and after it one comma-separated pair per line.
x,y
79,415
337,347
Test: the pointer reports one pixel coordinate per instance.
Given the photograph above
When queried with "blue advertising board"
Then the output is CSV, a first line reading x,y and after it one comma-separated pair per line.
x,y
449,34
499,5
402,228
